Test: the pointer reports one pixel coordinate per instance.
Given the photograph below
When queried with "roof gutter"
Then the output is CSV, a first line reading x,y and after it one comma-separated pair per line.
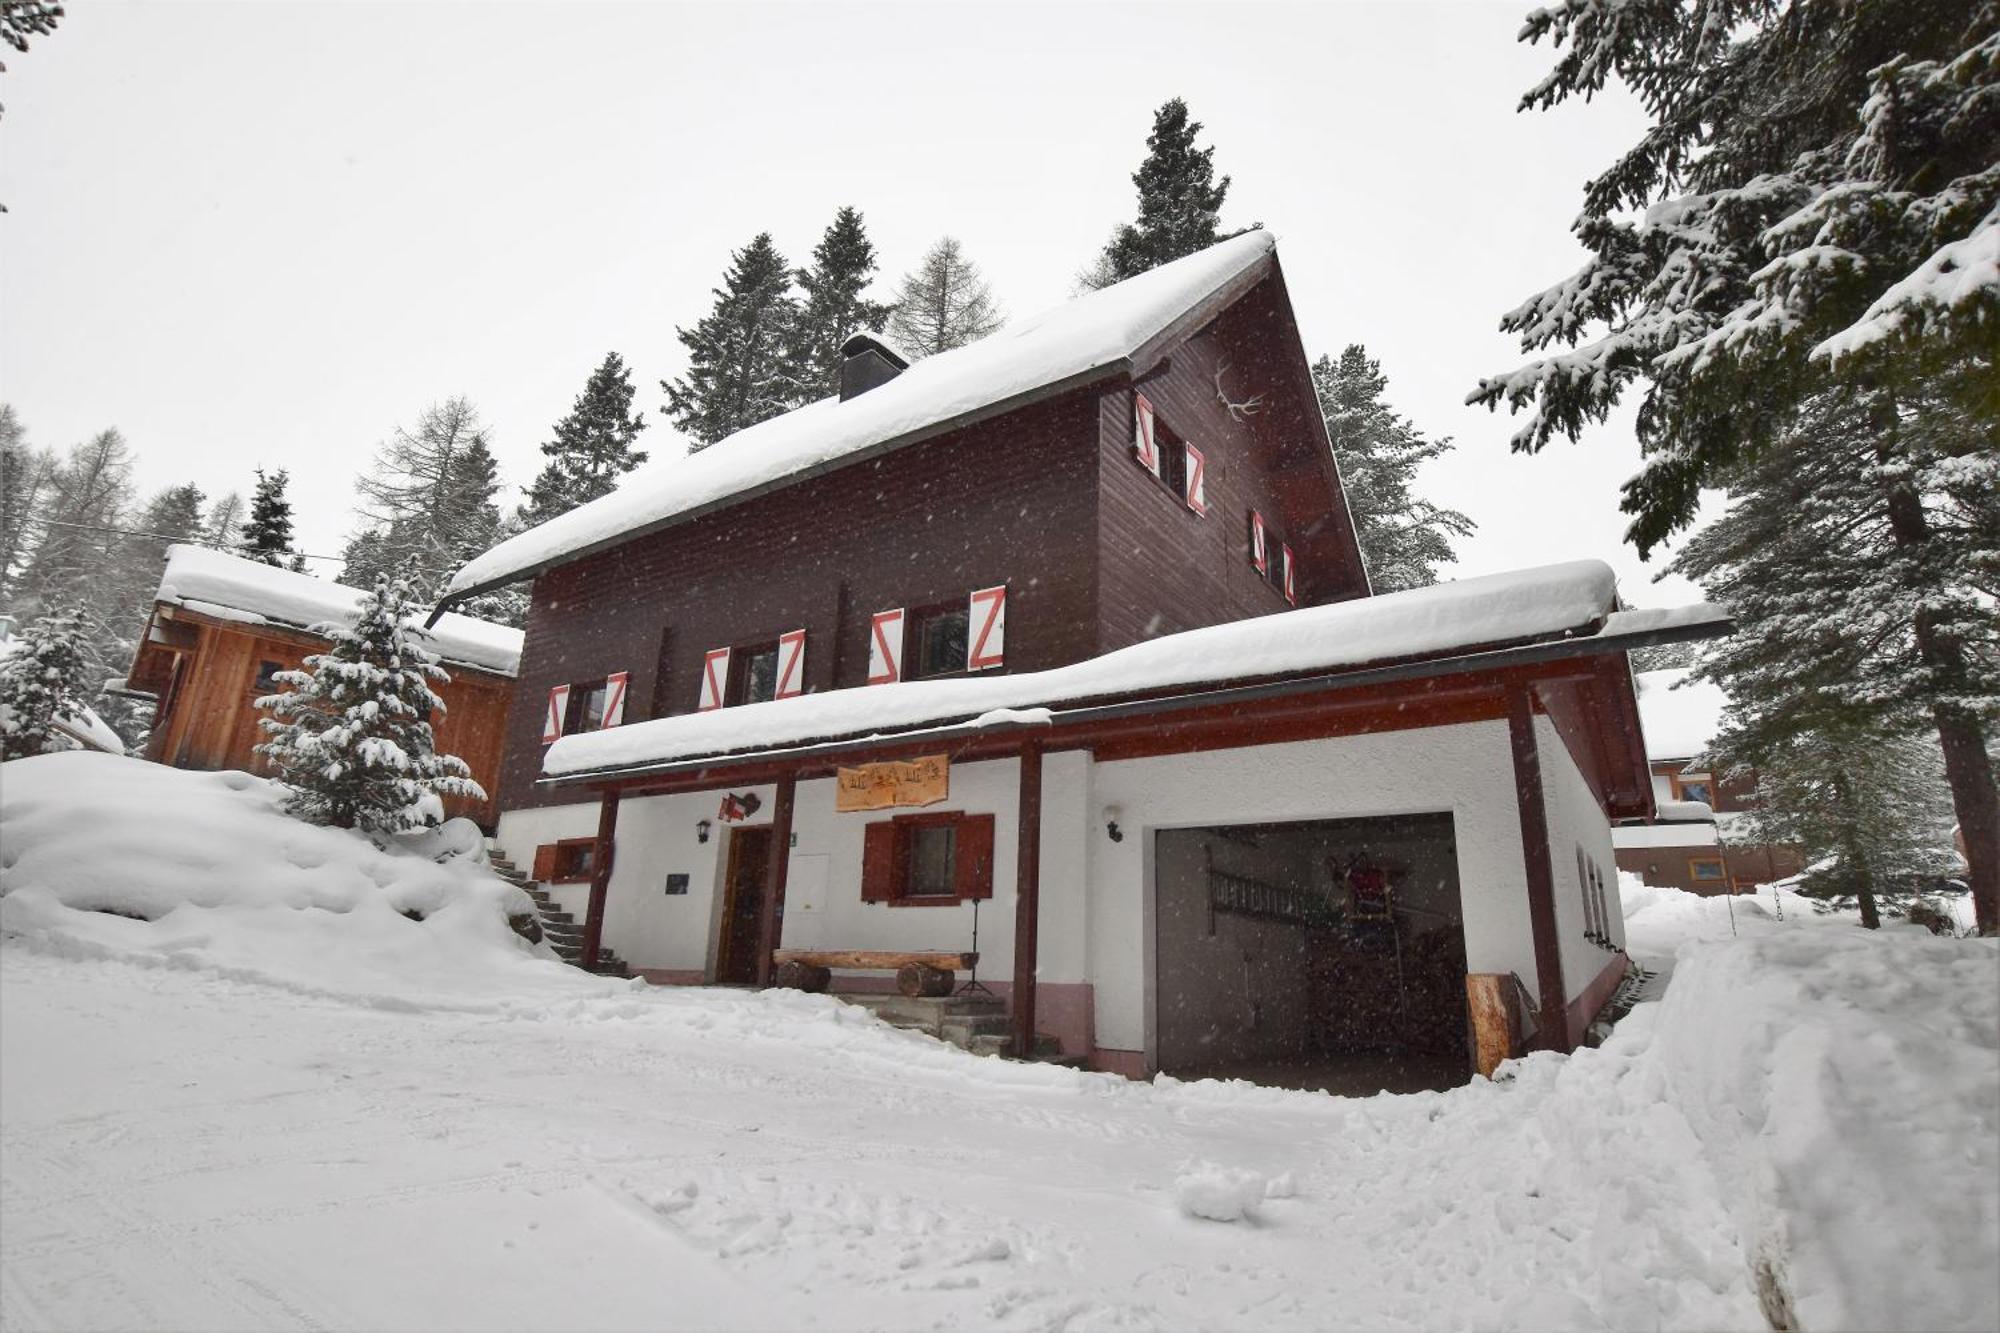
x,y
1142,358
1519,655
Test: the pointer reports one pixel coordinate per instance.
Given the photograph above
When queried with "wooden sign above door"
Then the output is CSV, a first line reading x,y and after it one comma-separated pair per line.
x,y
924,781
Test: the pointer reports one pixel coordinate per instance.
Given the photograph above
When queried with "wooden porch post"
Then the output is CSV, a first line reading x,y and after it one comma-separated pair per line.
x,y
1027,898
600,877
775,871
1552,1023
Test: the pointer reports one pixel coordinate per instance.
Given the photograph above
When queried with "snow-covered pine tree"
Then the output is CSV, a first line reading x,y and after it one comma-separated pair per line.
x,y
942,303
42,678
429,496
267,535
1814,207
25,477
843,264
1404,538
592,447
1835,599
738,371
1180,202
350,734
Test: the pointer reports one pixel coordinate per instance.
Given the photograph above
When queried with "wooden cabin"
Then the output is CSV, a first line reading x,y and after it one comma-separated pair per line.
x,y
1054,657
222,627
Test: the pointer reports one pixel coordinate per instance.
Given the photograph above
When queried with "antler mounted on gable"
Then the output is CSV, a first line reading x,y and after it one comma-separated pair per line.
x,y
1239,410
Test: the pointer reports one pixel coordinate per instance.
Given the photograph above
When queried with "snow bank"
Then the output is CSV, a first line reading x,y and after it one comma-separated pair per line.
x,y
1500,608
1845,1086
220,876
231,588
1219,1193
1091,333
1680,716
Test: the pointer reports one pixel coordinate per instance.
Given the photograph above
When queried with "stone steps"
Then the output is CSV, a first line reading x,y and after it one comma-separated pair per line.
x,y
560,929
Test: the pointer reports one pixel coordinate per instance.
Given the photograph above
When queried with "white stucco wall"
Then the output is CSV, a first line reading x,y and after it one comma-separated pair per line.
x,y
1576,821
1465,770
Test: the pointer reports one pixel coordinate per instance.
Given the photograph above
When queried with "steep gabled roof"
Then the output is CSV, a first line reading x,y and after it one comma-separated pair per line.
x,y
1122,328
229,587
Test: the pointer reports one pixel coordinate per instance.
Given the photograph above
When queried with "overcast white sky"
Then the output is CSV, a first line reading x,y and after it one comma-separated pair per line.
x,y
266,233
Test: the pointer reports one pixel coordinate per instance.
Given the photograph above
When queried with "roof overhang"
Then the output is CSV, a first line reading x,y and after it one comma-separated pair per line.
x,y
1085,723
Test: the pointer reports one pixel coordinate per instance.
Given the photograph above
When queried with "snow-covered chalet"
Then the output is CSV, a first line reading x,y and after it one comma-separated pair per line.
x,y
1045,672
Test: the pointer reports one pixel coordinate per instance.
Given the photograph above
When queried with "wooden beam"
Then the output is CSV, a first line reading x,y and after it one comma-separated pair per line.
x,y
1027,898
600,877
1552,1023
775,870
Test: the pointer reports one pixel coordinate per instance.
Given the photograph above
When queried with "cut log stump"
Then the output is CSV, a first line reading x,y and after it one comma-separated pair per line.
x,y
919,979
803,976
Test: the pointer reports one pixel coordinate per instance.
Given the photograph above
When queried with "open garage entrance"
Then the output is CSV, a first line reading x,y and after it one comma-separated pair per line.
x,y
1328,954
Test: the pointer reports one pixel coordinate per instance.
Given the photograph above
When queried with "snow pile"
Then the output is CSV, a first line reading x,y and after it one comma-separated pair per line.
x,y
1499,608
1680,716
229,587
1219,1193
1092,334
217,875
1845,1087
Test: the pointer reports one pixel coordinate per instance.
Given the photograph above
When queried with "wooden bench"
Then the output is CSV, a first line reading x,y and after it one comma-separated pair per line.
x,y
918,972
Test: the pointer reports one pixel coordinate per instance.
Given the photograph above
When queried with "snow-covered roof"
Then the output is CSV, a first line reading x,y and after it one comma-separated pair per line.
x,y
229,587
1552,602
1680,717
1070,344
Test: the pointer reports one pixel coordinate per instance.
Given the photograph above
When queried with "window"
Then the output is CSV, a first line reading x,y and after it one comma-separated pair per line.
x,y
937,642
754,677
1694,787
1173,463
267,677
586,706
566,862
1707,870
933,859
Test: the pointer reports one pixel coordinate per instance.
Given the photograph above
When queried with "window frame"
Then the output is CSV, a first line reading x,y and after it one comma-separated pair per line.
x,y
1721,875
736,690
971,882
915,620
575,709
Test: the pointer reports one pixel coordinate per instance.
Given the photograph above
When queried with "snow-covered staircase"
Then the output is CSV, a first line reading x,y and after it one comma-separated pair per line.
x,y
976,1023
563,931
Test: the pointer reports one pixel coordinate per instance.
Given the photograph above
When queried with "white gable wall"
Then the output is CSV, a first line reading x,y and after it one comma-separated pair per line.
x,y
1576,820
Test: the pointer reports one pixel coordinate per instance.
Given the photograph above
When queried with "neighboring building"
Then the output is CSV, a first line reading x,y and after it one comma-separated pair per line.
x,y
223,626
1698,837
1063,639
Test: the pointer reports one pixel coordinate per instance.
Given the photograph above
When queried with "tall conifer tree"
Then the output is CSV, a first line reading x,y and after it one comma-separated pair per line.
x,y
267,535
739,372
1404,537
592,447
1180,201
942,303
835,304
42,679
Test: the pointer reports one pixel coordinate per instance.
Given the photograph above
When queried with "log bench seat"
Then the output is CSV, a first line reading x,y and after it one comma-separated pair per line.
x,y
918,972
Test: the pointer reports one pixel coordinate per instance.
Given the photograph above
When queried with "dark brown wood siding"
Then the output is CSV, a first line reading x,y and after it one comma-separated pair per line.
x,y
1009,501
1162,567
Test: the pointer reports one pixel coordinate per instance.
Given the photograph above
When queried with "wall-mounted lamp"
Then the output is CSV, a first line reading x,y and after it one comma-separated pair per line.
x,y
1112,814
701,830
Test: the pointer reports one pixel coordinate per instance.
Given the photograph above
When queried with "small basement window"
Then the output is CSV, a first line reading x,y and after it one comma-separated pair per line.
x,y
937,645
1707,870
753,674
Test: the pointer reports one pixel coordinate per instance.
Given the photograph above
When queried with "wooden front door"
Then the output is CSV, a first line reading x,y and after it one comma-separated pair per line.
x,y
749,863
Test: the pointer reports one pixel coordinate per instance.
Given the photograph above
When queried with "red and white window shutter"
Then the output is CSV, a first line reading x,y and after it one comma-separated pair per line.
x,y
714,679
1291,569
1195,490
1144,446
614,697
986,642
885,647
552,722
791,664
1260,555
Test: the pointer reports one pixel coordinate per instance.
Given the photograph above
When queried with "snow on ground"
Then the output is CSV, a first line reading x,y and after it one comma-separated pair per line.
x,y
187,1141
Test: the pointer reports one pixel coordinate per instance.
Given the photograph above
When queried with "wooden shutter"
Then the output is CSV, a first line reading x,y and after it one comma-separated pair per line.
x,y
986,621
1291,585
972,877
1145,447
545,862
1259,555
552,722
614,697
791,664
1194,481
885,647
878,862
714,679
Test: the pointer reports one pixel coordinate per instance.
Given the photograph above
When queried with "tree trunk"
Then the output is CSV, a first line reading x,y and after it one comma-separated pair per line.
x,y
1855,863
1968,769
